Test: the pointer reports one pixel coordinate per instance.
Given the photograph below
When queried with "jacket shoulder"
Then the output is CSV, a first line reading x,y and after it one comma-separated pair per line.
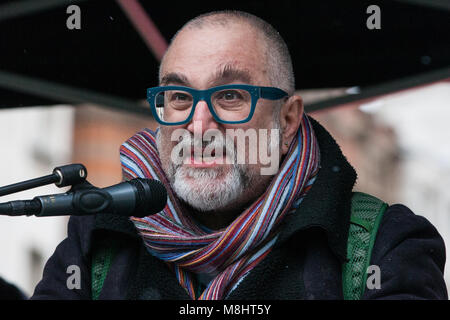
x,y
410,254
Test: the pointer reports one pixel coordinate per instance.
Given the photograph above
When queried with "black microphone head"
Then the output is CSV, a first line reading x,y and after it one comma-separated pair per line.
x,y
151,197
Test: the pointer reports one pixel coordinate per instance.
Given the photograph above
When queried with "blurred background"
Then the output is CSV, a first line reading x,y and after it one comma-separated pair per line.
x,y
75,95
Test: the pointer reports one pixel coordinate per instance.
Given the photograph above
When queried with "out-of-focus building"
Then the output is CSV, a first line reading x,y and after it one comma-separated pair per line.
x,y
98,135
36,140
371,147
33,141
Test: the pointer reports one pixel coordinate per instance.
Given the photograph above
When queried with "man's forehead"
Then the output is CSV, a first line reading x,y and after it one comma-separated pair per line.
x,y
214,54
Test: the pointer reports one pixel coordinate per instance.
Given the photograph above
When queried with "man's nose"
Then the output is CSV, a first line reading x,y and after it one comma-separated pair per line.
x,y
202,118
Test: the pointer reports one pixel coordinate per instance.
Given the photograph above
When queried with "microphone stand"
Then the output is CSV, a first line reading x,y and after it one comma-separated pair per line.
x,y
62,176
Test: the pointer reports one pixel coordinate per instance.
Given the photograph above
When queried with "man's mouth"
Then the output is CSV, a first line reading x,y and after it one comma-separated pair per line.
x,y
205,161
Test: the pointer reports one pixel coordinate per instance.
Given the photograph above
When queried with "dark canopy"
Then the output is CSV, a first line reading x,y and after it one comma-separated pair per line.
x,y
329,41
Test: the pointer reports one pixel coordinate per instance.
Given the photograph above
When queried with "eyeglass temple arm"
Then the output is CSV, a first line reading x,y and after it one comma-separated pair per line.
x,y
272,93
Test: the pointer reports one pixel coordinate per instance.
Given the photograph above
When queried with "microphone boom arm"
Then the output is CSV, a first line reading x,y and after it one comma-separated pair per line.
x,y
62,176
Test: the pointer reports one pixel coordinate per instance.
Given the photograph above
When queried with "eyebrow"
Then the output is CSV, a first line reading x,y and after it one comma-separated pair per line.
x,y
174,78
225,74
229,73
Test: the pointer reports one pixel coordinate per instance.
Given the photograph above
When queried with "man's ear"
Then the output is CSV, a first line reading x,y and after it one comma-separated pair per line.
x,y
290,118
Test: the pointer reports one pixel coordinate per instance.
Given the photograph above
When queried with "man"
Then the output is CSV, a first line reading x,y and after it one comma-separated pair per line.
x,y
233,227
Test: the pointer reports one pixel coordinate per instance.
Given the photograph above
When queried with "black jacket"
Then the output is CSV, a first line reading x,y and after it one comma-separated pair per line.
x,y
305,262
9,291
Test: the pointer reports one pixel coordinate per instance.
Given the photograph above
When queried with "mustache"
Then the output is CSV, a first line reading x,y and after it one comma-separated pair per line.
x,y
197,146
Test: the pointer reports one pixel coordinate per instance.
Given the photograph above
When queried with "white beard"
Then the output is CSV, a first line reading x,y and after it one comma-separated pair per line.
x,y
206,193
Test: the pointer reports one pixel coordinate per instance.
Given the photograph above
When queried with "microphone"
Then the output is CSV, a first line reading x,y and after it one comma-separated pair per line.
x,y
137,197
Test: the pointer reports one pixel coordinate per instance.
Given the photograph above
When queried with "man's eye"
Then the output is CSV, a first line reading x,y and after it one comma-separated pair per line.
x,y
230,95
180,97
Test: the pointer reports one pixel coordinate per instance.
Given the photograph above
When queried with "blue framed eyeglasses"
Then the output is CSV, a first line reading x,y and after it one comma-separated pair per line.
x,y
231,104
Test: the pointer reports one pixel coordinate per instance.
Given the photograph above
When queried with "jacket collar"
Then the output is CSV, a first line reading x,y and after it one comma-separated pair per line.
x,y
326,206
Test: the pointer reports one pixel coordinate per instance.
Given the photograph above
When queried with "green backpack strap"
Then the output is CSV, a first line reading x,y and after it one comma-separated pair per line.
x,y
102,256
366,214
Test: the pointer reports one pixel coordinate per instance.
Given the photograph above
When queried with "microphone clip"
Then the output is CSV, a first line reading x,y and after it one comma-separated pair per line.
x,y
89,199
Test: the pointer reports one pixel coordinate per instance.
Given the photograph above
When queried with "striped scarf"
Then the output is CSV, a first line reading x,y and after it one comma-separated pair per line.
x,y
232,252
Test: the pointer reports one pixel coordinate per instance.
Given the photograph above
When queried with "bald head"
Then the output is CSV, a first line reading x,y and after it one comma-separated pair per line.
x,y
275,56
